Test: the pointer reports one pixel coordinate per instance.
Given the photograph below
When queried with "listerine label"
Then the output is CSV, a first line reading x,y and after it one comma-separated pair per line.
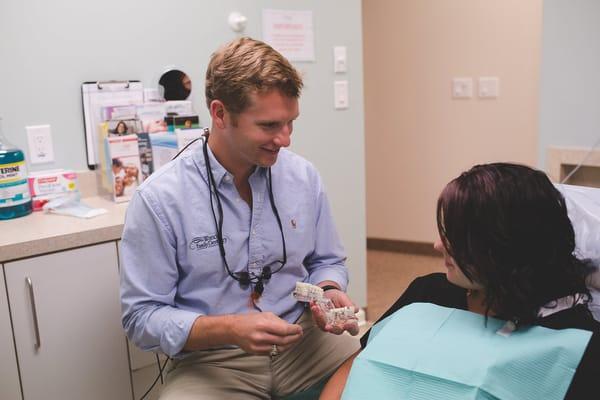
x,y
13,184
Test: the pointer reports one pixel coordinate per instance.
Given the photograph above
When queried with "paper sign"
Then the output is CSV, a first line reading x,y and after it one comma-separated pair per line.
x,y
290,33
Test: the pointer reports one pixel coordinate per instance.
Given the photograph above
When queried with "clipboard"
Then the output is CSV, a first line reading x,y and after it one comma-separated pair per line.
x,y
98,94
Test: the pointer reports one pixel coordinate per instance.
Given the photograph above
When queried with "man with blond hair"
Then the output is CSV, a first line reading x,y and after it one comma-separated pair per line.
x,y
215,241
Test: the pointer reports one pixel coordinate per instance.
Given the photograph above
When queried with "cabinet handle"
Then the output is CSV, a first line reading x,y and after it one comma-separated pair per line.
x,y
38,342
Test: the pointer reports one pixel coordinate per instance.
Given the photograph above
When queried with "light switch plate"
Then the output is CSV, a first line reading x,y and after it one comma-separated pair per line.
x,y
489,87
39,138
340,94
340,60
462,88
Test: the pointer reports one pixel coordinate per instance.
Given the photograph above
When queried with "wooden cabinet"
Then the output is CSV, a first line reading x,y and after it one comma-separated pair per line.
x,y
9,374
66,323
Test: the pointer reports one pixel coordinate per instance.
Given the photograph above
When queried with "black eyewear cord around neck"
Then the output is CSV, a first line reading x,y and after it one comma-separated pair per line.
x,y
245,278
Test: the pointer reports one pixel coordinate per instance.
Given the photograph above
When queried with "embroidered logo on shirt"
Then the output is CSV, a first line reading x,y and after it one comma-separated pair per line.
x,y
204,242
293,222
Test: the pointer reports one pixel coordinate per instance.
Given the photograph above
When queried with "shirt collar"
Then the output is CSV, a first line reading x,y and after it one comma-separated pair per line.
x,y
219,172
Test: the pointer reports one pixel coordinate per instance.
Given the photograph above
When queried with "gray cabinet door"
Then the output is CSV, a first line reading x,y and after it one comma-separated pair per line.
x,y
9,375
66,316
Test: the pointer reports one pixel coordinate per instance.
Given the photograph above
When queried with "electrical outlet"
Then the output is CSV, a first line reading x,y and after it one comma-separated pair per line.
x,y
39,138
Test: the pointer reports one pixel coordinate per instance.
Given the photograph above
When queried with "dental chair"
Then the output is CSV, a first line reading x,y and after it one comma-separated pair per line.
x,y
583,205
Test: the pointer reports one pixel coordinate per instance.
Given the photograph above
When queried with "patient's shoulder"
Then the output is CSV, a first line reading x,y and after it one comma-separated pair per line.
x,y
434,280
585,380
578,317
435,288
432,288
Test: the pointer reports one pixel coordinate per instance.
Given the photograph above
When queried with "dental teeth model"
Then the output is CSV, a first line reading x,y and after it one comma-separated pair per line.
x,y
306,293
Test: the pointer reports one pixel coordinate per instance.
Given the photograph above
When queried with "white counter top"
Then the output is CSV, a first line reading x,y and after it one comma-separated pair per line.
x,y
41,233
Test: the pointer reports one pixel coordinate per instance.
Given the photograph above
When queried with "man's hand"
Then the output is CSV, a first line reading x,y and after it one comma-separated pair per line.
x,y
256,333
339,299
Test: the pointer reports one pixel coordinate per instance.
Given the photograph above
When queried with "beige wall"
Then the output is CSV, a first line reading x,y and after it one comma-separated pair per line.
x,y
417,136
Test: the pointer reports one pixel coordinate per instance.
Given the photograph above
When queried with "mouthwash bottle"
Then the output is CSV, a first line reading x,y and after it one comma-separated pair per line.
x,y
15,200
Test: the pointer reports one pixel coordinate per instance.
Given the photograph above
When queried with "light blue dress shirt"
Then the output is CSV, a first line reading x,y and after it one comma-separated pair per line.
x,y
171,269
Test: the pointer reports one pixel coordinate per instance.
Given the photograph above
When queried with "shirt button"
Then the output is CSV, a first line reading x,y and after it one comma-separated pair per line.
x,y
253,232
227,178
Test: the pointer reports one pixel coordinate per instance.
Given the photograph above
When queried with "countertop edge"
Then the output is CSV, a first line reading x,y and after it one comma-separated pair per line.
x,y
33,248
40,234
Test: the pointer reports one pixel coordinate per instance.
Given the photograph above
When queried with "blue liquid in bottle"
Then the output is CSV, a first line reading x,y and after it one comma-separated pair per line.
x,y
15,200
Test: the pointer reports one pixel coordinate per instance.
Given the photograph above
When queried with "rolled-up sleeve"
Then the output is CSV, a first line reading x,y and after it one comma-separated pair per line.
x,y
149,277
327,261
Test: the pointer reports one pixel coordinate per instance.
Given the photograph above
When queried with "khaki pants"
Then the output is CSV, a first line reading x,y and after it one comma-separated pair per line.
x,y
234,374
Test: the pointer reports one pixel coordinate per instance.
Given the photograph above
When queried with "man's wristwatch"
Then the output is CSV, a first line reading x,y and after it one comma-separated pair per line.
x,y
329,287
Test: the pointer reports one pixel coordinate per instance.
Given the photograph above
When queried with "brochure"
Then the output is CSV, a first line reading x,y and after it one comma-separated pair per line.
x,y
125,168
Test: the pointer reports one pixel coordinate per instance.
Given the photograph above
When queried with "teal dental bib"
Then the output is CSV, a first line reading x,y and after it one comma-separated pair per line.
x,y
424,352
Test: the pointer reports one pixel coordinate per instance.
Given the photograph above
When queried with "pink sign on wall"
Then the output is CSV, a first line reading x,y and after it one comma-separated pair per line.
x,y
290,32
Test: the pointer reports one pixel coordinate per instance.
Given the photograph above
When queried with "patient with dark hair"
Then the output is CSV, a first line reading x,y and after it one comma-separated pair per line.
x,y
509,251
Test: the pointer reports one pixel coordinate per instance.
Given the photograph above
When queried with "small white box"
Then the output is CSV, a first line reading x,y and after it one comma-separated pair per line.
x,y
52,182
48,185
